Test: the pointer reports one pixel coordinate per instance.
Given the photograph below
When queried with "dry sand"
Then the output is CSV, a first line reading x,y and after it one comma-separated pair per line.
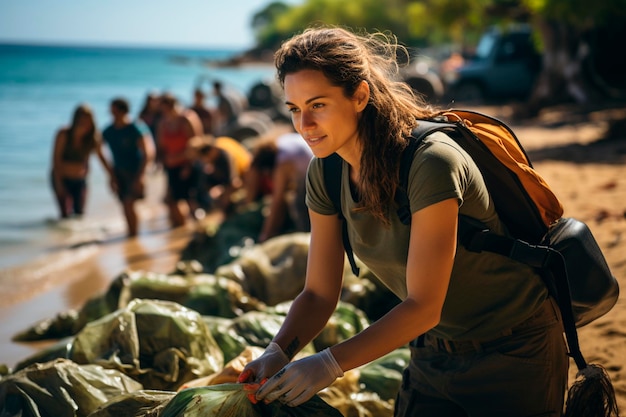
x,y
588,175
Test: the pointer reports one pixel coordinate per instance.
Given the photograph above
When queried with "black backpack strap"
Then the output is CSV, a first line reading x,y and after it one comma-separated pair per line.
x,y
333,165
476,237
556,273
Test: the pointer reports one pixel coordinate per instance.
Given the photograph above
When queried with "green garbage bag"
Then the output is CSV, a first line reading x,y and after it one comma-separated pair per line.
x,y
205,293
384,375
228,339
219,244
230,400
254,328
58,350
272,271
159,343
258,328
61,388
142,403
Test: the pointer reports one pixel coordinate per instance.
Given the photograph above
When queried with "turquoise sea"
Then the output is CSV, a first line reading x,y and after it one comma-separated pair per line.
x,y
40,85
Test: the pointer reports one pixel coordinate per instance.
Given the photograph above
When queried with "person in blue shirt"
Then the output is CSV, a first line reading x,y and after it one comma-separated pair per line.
x,y
132,150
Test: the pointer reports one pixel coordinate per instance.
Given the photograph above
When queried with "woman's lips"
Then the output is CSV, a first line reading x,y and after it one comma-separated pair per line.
x,y
312,140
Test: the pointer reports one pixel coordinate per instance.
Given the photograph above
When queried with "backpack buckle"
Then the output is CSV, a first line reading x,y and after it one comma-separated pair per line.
x,y
534,255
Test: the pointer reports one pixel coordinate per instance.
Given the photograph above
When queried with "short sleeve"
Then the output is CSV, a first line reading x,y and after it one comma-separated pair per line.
x,y
317,199
438,172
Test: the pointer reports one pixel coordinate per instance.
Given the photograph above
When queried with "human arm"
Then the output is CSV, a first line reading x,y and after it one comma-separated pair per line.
x,y
108,167
430,258
224,197
146,147
431,254
106,164
278,203
252,183
312,308
60,140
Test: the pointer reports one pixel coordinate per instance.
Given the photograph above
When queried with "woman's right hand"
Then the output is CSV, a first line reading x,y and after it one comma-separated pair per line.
x,y
270,362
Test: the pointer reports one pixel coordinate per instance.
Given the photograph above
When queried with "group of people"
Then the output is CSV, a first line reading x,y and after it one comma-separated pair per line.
x,y
131,150
205,169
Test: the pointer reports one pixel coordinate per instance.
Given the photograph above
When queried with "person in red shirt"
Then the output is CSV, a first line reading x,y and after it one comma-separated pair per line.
x,y
176,127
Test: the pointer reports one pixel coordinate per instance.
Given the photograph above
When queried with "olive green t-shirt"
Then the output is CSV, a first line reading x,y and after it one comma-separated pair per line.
x,y
488,292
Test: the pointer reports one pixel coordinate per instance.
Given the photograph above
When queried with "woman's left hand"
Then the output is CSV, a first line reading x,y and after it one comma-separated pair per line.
x,y
300,380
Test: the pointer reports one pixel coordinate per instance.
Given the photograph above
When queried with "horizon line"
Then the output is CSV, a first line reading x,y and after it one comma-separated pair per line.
x,y
117,44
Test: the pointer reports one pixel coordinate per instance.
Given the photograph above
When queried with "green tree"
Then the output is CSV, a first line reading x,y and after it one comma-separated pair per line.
x,y
263,24
357,14
576,36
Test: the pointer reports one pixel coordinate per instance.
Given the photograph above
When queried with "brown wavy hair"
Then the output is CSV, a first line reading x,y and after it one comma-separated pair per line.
x,y
347,58
88,142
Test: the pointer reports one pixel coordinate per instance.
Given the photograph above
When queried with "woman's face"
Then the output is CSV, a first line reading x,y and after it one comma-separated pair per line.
x,y
322,114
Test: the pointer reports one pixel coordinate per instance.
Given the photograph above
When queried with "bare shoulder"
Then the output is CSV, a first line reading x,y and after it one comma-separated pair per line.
x,y
61,134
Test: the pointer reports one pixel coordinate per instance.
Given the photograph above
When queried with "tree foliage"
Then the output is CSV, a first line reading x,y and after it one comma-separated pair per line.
x,y
567,30
428,22
370,15
580,14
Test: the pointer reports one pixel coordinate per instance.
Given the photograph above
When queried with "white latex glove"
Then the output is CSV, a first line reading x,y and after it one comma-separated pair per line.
x,y
266,365
300,380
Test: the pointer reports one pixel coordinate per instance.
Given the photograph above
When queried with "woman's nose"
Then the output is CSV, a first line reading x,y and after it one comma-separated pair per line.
x,y
306,120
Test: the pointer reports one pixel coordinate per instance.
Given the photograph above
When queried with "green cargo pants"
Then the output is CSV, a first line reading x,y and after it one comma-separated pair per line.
x,y
522,372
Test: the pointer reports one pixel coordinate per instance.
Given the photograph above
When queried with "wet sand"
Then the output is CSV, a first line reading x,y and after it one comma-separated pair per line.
x,y
68,277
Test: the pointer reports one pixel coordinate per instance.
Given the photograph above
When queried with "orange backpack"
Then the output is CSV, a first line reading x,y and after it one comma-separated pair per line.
x,y
493,144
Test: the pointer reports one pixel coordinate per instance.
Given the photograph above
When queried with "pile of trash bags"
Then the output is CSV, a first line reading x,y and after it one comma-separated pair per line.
x,y
168,345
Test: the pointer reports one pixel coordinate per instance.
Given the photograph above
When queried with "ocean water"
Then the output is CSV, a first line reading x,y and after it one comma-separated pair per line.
x,y
39,88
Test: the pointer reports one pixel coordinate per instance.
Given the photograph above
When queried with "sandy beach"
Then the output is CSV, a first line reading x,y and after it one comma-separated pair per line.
x,y
588,175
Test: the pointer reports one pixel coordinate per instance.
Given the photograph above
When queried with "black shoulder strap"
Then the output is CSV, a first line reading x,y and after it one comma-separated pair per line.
x,y
333,165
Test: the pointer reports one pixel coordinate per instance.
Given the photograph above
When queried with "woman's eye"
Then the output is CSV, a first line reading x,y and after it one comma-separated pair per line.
x,y
292,110
317,105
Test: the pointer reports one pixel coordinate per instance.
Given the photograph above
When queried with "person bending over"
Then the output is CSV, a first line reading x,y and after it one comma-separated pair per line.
x,y
485,337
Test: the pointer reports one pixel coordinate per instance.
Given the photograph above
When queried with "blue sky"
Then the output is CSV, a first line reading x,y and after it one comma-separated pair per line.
x,y
192,23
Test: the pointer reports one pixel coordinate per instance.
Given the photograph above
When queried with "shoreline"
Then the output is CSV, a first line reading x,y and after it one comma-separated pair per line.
x,y
61,278
89,275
